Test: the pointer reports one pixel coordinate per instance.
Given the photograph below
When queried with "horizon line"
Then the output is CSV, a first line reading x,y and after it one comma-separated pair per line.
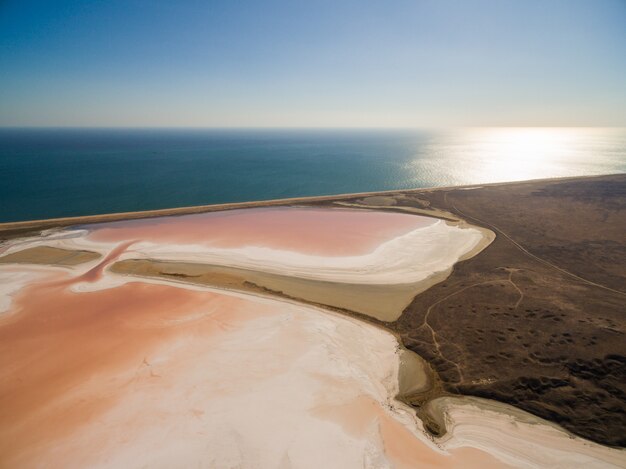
x,y
192,127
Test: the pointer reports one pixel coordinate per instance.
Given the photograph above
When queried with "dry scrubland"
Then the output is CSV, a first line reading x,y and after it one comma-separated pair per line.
x,y
538,319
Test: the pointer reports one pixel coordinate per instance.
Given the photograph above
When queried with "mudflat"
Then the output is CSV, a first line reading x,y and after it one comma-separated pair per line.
x,y
383,302
50,256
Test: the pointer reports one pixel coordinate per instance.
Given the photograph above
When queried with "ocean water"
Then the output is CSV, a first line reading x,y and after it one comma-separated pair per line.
x,y
47,173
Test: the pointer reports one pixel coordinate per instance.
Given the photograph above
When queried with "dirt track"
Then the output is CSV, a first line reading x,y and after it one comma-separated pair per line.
x,y
538,319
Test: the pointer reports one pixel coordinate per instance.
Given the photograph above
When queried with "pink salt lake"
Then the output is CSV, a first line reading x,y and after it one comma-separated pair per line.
x,y
325,232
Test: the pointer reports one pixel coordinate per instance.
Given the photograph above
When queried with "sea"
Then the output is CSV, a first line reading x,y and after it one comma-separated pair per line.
x,y
62,172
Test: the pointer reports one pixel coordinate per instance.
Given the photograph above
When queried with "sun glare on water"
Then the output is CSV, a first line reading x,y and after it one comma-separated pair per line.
x,y
523,153
500,154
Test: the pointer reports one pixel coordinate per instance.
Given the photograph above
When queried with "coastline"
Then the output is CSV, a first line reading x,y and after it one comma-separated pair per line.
x,y
419,395
17,228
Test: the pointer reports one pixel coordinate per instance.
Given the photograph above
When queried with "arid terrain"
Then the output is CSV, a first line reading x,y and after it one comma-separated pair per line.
x,y
538,319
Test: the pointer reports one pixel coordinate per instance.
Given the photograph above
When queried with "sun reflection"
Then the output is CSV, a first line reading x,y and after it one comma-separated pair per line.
x,y
507,154
522,153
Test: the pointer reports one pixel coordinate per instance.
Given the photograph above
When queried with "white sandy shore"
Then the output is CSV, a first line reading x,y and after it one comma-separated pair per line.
x,y
410,258
517,437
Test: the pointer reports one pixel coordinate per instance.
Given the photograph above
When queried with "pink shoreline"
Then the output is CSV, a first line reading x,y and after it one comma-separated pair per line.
x,y
326,232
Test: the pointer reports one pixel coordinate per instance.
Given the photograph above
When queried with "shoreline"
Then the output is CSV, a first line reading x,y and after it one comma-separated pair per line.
x,y
426,394
16,228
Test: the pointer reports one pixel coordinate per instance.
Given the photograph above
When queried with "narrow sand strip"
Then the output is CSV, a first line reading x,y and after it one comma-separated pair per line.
x,y
383,302
49,255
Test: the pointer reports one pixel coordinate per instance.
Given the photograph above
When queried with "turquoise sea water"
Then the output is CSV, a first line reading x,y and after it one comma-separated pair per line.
x,y
47,173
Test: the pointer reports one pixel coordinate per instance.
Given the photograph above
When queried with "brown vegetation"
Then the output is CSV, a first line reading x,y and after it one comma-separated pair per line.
x,y
538,319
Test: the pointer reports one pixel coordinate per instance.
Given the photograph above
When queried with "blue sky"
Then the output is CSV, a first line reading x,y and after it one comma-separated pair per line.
x,y
424,63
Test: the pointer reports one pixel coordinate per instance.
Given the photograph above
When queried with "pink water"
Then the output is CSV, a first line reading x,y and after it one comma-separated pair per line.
x,y
329,232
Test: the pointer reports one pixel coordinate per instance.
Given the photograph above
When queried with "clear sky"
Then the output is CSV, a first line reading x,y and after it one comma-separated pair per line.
x,y
352,63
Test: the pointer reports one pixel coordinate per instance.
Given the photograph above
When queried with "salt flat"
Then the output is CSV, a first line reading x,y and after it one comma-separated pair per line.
x,y
99,369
